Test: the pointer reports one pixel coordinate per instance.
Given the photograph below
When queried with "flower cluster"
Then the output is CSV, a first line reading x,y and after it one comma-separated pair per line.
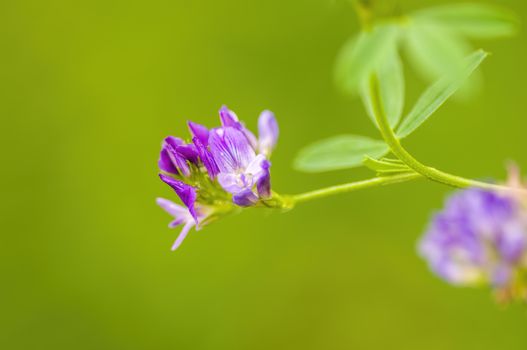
x,y
480,237
218,170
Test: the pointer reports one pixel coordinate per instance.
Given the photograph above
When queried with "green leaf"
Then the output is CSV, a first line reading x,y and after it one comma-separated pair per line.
x,y
473,20
360,55
434,49
385,166
338,152
438,93
391,83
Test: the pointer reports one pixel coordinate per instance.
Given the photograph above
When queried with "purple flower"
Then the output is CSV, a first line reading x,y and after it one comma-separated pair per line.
x,y
479,237
222,169
182,217
240,169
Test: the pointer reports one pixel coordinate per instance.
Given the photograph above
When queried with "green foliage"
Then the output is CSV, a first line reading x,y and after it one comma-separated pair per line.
x,y
348,151
363,54
339,152
477,21
438,93
436,43
433,49
435,40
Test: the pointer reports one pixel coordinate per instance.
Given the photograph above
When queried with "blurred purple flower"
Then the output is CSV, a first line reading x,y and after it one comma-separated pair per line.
x,y
479,237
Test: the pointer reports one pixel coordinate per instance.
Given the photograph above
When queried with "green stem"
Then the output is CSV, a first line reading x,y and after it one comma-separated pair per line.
x,y
353,186
397,149
364,13
420,170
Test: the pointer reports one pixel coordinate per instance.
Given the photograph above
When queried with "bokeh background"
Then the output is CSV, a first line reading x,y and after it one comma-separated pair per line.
x,y
88,89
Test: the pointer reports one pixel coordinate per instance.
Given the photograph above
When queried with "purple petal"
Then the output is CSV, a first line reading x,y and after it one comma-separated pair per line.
x,y
185,192
188,152
176,210
245,198
177,222
256,167
501,275
253,141
171,146
231,182
179,162
182,235
263,184
230,149
165,163
199,131
183,150
206,158
168,160
228,118
174,141
245,179
511,243
267,132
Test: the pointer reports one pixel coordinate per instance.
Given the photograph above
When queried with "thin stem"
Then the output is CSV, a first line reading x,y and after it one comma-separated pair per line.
x,y
353,186
401,153
364,13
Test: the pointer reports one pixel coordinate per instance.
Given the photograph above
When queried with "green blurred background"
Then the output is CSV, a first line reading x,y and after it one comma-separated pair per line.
x,y
88,91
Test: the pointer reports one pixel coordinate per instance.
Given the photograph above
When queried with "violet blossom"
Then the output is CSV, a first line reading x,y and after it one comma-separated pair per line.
x,y
480,237
219,170
240,169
